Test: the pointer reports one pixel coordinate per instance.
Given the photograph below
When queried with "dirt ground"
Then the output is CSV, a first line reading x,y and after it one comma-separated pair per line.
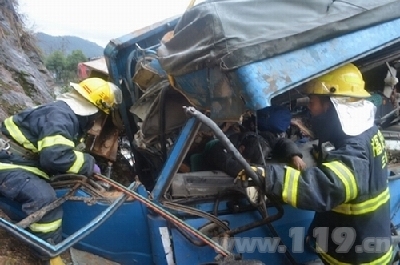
x,y
15,252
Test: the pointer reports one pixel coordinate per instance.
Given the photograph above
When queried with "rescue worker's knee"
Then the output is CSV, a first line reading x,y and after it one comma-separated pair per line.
x,y
12,182
36,194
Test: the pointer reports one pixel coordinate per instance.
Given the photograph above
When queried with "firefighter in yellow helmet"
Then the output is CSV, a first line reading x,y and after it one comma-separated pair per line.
x,y
104,95
345,81
40,142
348,188
342,89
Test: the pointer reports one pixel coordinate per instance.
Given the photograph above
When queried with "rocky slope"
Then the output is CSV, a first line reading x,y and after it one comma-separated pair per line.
x,y
24,80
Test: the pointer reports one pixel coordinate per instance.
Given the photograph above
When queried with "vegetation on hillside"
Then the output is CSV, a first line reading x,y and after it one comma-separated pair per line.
x,y
64,67
67,44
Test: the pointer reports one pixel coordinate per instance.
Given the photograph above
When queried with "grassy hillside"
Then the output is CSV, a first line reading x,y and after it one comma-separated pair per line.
x,y
49,44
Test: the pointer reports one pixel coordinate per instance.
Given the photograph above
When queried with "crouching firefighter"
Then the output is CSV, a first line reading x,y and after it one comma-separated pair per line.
x,y
40,142
348,190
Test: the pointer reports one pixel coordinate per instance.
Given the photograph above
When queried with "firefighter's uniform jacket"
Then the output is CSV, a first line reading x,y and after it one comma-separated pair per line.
x,y
349,193
50,132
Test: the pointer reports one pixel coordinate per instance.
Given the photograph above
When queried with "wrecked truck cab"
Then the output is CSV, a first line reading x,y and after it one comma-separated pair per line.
x,y
174,217
224,94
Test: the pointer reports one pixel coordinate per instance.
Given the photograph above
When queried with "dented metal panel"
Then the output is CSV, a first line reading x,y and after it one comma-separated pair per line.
x,y
254,85
261,81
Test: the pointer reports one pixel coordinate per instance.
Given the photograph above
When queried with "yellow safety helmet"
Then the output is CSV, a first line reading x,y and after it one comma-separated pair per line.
x,y
99,92
345,81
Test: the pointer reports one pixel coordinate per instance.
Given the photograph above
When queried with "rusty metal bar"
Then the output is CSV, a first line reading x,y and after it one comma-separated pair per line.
x,y
167,215
36,216
54,250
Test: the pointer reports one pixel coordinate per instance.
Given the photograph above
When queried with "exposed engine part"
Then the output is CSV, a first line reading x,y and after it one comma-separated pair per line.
x,y
390,80
203,183
211,229
109,170
108,175
225,141
194,211
126,152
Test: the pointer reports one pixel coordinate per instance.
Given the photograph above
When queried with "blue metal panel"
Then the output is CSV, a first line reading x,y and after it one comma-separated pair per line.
x,y
261,81
170,168
113,239
211,89
291,228
394,188
258,82
196,86
122,238
118,50
155,223
187,253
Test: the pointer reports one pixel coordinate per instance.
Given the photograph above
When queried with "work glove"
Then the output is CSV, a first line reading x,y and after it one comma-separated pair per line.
x,y
96,169
243,180
326,148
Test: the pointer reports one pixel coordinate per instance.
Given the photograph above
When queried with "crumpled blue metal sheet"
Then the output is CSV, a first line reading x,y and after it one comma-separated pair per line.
x,y
259,82
210,89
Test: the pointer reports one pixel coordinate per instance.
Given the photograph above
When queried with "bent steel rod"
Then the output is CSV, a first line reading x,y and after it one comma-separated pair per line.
x,y
36,216
225,141
55,250
167,215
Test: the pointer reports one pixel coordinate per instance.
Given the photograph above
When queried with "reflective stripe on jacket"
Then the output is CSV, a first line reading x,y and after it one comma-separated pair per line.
x,y
350,195
51,131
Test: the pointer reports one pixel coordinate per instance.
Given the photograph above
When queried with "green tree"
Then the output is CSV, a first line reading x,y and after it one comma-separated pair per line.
x,y
71,65
65,67
56,62
73,59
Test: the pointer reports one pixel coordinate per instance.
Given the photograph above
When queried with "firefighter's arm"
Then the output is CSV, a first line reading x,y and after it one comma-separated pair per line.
x,y
56,147
221,160
317,188
285,149
321,188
